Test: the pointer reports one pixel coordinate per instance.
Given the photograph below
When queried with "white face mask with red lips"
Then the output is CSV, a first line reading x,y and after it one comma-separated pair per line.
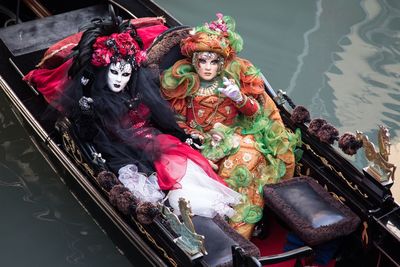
x,y
118,76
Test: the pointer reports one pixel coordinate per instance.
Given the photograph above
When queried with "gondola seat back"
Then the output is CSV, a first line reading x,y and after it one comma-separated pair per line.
x,y
309,210
165,50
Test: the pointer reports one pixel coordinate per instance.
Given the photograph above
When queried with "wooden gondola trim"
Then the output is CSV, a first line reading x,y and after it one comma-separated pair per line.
x,y
364,234
123,8
151,239
75,153
37,8
340,174
336,196
22,75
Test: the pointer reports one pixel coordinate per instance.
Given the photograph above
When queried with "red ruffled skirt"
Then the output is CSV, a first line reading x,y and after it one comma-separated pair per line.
x,y
172,164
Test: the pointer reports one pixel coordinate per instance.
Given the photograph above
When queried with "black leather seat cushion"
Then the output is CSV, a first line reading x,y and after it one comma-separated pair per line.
x,y
309,210
219,238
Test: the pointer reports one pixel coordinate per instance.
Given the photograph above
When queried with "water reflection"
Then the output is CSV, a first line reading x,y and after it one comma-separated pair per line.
x,y
40,218
306,48
365,89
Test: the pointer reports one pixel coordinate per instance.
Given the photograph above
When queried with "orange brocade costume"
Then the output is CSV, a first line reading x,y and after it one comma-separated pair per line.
x,y
254,147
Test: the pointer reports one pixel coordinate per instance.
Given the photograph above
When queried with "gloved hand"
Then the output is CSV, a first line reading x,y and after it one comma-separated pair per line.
x,y
191,143
86,104
197,135
231,90
84,122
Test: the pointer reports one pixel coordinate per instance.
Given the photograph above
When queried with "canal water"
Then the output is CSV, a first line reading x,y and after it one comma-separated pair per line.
x,y
340,59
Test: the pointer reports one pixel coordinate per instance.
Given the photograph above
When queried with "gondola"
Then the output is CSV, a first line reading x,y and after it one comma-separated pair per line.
x,y
168,240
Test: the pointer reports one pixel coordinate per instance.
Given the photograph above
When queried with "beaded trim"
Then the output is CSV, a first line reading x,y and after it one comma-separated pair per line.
x,y
209,90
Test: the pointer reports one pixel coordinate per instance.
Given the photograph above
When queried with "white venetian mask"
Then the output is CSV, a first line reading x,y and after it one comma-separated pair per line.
x,y
118,76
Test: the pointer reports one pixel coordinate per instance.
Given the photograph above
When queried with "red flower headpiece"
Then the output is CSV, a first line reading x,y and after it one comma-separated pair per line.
x,y
117,47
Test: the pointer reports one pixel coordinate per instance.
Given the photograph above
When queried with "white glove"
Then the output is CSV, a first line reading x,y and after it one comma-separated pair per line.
x,y
197,135
86,104
231,90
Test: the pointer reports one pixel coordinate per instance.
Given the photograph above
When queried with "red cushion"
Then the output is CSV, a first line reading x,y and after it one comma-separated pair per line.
x,y
56,54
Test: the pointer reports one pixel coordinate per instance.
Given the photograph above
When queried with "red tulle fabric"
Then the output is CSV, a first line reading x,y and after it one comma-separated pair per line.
x,y
50,82
171,167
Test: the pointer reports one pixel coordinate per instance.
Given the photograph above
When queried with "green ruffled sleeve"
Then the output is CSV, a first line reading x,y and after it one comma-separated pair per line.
x,y
174,76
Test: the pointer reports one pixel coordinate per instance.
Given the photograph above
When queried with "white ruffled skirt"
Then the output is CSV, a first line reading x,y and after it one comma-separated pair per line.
x,y
206,196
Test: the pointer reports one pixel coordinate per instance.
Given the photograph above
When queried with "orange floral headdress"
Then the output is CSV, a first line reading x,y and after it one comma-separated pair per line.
x,y
219,36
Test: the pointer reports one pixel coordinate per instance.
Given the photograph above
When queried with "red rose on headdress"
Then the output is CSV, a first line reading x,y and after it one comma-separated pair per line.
x,y
101,57
116,47
125,43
